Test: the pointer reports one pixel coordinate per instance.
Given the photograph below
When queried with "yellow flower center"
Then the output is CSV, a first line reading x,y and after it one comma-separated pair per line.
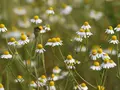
x,y
111,61
83,85
43,76
12,39
58,39
106,60
64,5
39,46
94,52
96,63
49,40
50,8
1,86
2,25
110,27
118,26
52,75
32,82
51,83
19,76
41,28
69,57
82,30
28,62
100,50
86,23
114,37
36,17
23,37
6,52
101,88
56,67
54,40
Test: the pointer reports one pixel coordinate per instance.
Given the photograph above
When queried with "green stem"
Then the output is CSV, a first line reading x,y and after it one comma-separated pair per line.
x,y
105,76
102,77
7,82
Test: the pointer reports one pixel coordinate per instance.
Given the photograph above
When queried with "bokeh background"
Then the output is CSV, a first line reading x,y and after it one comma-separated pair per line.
x,y
65,27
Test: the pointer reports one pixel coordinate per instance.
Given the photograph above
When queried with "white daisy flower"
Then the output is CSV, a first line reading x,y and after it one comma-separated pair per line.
x,y
105,56
86,26
1,87
54,77
20,11
6,55
24,40
111,51
96,66
12,42
94,55
106,64
29,63
70,60
67,9
81,87
63,74
88,33
42,30
109,30
33,84
36,20
3,28
52,86
96,15
117,29
56,70
112,63
19,79
49,42
42,80
47,27
78,38
82,33
50,11
114,40
40,49
100,52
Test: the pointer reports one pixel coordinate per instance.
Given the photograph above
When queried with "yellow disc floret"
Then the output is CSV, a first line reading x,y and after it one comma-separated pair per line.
x,y
114,37
82,30
49,40
58,39
28,62
83,85
69,57
52,75
100,50
118,26
106,60
6,52
39,46
56,67
110,27
111,61
36,17
51,83
43,77
94,52
32,82
12,39
54,40
96,63
86,23
50,8
19,76
23,37
41,28
1,86
2,25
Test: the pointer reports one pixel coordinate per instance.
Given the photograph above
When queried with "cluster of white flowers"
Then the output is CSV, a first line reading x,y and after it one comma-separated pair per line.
x,y
70,62
107,62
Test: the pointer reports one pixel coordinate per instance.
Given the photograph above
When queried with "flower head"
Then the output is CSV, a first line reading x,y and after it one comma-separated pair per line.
x,y
6,55
117,29
3,28
109,30
50,11
19,79
114,40
86,26
1,87
40,49
96,66
36,20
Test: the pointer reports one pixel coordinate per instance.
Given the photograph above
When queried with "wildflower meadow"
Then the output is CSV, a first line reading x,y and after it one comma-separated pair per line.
x,y
59,44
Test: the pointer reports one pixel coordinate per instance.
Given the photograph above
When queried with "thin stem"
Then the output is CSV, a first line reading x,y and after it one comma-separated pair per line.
x,y
105,76
102,77
84,79
7,82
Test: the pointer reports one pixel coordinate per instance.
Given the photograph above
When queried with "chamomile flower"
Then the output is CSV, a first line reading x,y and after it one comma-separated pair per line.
x,y
19,79
36,20
40,49
86,26
106,64
78,38
88,33
50,11
112,63
67,9
56,70
100,52
109,30
42,30
47,27
96,66
3,28
52,86
111,51
6,55
20,11
105,56
82,33
42,80
114,40
117,29
54,77
54,42
24,40
33,84
29,63
82,86
12,42
70,60
94,54
1,87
